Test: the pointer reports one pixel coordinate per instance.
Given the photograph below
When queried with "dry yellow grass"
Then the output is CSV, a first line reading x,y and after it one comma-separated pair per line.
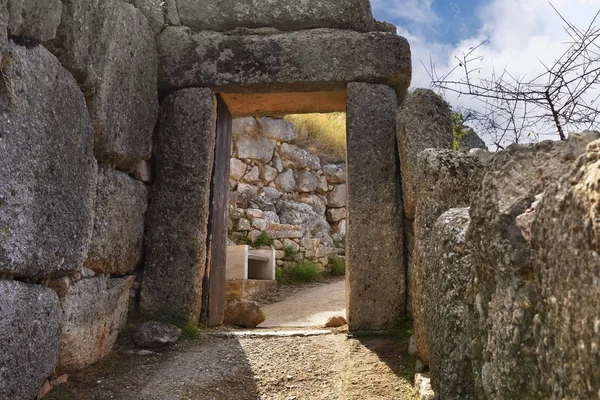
x,y
326,134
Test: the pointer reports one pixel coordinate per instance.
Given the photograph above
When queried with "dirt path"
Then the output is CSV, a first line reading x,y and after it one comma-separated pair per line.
x,y
330,366
306,308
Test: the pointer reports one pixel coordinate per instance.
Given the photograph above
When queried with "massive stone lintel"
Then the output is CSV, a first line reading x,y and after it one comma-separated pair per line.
x,y
284,15
376,277
47,168
322,60
177,220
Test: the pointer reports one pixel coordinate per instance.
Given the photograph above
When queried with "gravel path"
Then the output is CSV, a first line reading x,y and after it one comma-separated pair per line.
x,y
307,308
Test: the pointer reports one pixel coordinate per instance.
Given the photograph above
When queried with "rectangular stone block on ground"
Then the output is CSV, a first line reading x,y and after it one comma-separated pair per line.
x,y
322,60
47,168
30,318
94,311
177,220
376,277
117,239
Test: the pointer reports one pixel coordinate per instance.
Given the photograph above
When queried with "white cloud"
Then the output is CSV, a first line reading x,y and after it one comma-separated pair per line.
x,y
419,11
520,35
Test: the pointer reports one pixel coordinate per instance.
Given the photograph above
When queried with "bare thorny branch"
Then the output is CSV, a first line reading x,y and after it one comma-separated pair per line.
x,y
563,98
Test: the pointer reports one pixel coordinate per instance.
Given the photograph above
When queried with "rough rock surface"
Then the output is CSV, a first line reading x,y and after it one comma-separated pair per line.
x,y
34,19
255,148
471,140
117,239
299,61
278,129
153,11
243,313
301,214
376,278
566,242
279,14
424,121
30,318
502,298
447,179
156,334
177,220
94,311
446,267
47,168
110,49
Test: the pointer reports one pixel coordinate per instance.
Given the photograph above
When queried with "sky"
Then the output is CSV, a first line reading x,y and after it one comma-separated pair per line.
x,y
521,33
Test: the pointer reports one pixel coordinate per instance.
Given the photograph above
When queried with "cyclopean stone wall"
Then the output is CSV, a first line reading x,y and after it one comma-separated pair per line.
x,y
286,192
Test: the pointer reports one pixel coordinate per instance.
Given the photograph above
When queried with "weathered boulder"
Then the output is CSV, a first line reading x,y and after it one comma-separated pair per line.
x,y
335,321
117,239
446,267
268,173
424,121
294,157
278,14
336,214
34,19
335,173
286,181
153,11
447,179
502,297
237,169
470,140
247,314
376,277
177,219
255,148
278,129
297,61
47,168
297,213
306,181
338,196
94,311
110,49
156,334
252,176
247,126
314,201
30,318
566,267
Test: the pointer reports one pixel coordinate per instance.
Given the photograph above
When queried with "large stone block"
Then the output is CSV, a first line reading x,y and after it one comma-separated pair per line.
x,y
446,267
154,12
279,14
47,168
94,311
180,201
30,319
305,61
34,19
117,239
446,179
566,238
110,49
424,121
502,298
376,276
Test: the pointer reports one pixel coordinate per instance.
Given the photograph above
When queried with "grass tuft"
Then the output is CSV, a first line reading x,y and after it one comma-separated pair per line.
x,y
336,266
327,134
301,272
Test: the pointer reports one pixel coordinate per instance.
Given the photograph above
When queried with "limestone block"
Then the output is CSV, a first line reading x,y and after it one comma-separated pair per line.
x,y
336,214
447,179
252,176
503,300
30,318
116,246
110,49
278,129
305,181
316,203
375,260
34,19
278,14
335,173
297,213
282,62
94,311
237,169
286,181
255,148
247,314
244,127
269,173
424,121
177,220
566,267
294,157
47,169
338,196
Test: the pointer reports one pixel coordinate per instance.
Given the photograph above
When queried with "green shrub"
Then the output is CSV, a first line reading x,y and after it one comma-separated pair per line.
x,y
301,272
289,253
189,329
336,266
262,240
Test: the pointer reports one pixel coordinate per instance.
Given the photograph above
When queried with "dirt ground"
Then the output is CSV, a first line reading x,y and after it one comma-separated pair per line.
x,y
265,364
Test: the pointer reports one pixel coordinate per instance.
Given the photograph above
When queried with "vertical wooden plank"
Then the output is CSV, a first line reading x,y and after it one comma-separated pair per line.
x,y
218,219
